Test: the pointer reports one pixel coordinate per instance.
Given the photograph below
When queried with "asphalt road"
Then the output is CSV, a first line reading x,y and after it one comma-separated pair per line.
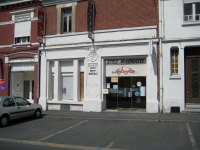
x,y
54,132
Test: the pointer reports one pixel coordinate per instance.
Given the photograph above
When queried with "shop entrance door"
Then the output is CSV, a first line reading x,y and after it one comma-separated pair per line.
x,y
126,92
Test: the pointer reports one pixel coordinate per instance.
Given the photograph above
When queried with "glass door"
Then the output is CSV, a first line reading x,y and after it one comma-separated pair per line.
x,y
124,92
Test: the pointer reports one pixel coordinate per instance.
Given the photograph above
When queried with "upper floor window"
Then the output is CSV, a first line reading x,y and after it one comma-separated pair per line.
x,y
67,20
192,11
174,60
66,17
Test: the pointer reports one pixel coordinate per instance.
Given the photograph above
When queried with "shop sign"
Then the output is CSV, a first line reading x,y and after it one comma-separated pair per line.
x,y
123,70
125,61
90,19
40,28
2,84
93,68
114,79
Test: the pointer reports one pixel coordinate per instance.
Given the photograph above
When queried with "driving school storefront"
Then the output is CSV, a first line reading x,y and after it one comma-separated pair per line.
x,y
126,83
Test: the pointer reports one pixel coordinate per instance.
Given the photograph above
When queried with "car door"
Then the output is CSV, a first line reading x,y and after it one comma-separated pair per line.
x,y
10,107
24,108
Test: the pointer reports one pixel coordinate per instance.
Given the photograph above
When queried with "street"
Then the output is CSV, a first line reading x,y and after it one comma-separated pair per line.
x,y
101,131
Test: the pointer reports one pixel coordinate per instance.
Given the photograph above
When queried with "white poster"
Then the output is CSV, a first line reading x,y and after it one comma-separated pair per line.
x,y
143,91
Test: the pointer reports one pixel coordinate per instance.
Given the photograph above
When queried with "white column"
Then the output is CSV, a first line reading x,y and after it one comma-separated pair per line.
x,y
76,81
43,82
57,81
50,81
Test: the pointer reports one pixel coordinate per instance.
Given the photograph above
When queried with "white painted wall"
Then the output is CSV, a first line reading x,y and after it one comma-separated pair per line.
x,y
76,48
177,33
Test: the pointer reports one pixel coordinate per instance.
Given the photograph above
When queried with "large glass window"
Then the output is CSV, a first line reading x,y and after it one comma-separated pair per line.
x,y
67,87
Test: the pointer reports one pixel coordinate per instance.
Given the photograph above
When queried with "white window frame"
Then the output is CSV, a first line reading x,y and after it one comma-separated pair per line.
x,y
172,62
193,11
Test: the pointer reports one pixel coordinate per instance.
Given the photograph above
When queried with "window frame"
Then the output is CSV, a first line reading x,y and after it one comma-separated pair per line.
x,y
194,15
68,20
26,42
174,54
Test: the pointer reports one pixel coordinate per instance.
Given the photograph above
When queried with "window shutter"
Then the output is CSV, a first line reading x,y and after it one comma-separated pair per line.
x,y
68,84
22,29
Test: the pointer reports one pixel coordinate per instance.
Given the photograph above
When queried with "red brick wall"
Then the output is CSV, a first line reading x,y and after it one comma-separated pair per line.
x,y
51,20
113,14
7,34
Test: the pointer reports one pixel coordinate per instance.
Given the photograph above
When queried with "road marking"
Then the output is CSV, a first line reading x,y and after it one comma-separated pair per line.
x,y
194,145
62,130
134,120
111,144
66,146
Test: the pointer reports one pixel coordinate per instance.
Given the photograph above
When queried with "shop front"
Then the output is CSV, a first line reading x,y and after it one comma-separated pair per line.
x,y
126,83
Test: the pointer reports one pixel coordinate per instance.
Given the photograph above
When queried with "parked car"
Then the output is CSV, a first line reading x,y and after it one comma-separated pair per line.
x,y
12,107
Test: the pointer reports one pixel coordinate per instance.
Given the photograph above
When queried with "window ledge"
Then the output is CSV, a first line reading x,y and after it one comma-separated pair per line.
x,y
22,45
191,23
175,77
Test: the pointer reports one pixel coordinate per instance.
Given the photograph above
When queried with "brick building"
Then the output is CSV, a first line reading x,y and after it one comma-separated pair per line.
x,y
117,70
19,49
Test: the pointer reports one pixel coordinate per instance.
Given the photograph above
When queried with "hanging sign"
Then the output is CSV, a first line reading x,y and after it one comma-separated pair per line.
x,y
90,19
41,10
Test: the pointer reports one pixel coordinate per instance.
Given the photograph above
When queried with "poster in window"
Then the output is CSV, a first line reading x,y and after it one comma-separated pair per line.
x,y
2,84
63,90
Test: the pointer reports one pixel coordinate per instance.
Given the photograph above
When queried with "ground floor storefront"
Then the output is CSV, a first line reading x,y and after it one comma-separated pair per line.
x,y
19,75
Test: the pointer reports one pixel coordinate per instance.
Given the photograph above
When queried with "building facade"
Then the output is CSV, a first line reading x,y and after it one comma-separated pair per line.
x,y
180,56
19,49
116,70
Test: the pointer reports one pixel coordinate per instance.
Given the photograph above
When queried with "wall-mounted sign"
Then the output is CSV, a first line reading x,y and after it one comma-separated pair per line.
x,y
2,84
114,79
125,61
41,10
93,68
126,67
90,19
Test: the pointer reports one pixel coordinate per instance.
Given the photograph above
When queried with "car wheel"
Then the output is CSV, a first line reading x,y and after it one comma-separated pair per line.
x,y
37,113
4,121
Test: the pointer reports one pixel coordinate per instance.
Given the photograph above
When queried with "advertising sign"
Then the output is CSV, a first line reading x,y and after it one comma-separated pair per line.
x,y
41,10
2,84
93,68
90,19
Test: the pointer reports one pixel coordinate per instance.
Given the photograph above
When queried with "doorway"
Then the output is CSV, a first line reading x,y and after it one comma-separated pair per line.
x,y
126,92
192,74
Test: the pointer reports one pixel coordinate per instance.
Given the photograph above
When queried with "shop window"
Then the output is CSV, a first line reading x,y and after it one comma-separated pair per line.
x,y
174,60
67,87
192,11
66,18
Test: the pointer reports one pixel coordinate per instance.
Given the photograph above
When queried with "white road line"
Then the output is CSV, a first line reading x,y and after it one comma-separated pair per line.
x,y
111,144
194,145
62,131
65,146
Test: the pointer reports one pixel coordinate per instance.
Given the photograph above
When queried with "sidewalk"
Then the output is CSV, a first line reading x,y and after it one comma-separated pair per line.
x,y
128,116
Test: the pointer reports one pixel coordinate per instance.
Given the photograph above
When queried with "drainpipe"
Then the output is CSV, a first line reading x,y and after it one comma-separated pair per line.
x,y
161,16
